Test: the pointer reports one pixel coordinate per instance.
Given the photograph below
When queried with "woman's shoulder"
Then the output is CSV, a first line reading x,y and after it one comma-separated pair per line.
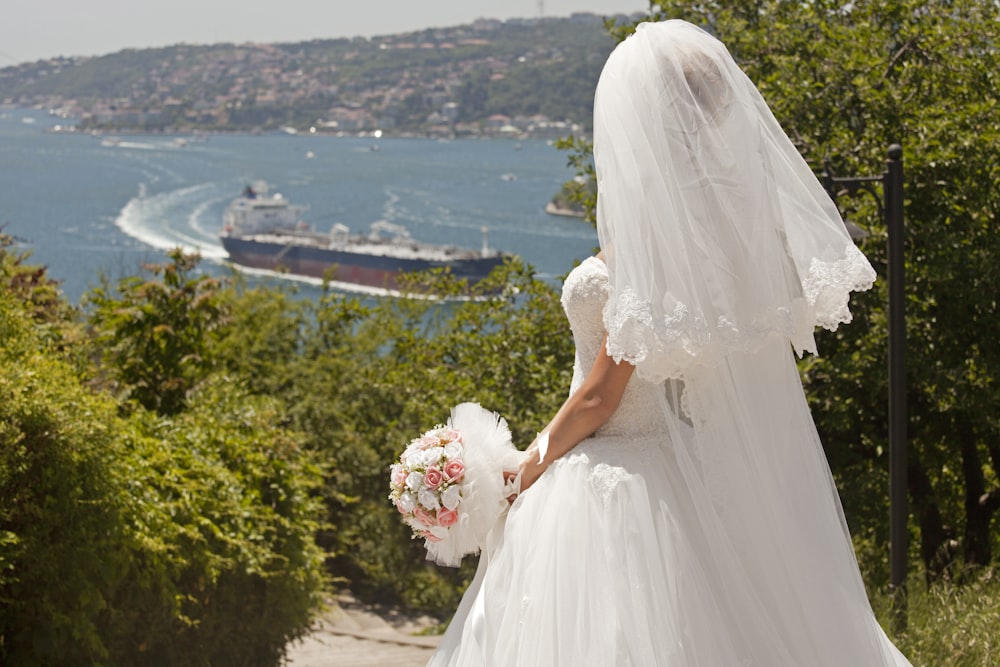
x,y
588,278
593,265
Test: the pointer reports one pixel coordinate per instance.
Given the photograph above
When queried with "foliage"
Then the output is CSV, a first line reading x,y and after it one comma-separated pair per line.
x,y
142,539
581,191
154,331
61,516
224,508
30,284
263,335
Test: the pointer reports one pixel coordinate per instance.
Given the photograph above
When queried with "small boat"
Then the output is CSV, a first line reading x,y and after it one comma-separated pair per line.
x,y
266,232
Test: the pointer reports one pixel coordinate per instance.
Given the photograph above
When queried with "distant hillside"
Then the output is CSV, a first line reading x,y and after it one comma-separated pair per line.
x,y
517,77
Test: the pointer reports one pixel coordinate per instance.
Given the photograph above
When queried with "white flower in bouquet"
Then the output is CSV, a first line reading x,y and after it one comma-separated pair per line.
x,y
406,502
414,481
428,499
450,498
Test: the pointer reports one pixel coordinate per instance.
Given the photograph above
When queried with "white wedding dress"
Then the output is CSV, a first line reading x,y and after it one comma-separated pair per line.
x,y
619,555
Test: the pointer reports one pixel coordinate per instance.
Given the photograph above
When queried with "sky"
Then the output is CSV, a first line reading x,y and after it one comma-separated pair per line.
x,y
34,29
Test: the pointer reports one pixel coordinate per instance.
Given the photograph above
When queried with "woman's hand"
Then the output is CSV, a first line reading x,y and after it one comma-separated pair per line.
x,y
530,470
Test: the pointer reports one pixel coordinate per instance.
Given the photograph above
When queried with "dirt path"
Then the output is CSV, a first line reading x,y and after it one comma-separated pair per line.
x,y
353,634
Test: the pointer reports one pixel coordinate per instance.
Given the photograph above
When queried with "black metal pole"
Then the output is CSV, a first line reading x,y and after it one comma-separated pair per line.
x,y
898,511
890,206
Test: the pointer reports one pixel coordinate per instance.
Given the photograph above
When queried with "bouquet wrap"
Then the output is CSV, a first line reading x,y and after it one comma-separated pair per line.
x,y
449,483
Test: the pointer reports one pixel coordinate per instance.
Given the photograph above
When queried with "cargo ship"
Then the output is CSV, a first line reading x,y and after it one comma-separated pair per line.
x,y
266,232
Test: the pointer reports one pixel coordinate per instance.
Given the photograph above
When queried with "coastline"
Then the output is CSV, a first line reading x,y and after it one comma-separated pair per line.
x,y
552,209
69,123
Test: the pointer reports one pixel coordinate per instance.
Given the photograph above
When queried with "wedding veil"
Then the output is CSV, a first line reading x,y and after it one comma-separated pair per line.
x,y
716,233
724,253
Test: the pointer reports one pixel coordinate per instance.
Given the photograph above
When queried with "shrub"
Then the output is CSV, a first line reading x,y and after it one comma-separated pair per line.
x,y
225,569
180,539
62,548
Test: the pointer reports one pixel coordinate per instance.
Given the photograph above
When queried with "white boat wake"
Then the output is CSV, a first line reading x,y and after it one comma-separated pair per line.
x,y
172,219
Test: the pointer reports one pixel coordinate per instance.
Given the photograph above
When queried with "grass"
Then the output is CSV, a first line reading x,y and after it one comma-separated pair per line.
x,y
948,625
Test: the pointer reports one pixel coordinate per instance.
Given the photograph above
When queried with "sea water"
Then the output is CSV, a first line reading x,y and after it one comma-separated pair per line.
x,y
88,206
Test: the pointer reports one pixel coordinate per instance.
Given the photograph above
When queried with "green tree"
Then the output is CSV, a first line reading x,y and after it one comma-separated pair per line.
x,y
581,192
154,332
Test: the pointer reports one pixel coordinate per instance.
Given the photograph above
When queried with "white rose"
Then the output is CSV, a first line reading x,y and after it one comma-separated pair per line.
x,y
454,450
428,499
439,532
407,501
433,455
413,458
451,498
414,480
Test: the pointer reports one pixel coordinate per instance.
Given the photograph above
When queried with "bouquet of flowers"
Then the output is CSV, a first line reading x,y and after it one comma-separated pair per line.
x,y
449,483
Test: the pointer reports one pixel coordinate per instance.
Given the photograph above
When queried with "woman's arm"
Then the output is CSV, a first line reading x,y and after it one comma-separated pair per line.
x,y
589,408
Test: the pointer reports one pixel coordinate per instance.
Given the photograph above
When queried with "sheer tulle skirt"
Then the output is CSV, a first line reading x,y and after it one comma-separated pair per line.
x,y
596,566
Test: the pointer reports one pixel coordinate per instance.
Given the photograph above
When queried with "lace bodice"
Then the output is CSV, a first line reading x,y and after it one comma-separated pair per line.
x,y
583,297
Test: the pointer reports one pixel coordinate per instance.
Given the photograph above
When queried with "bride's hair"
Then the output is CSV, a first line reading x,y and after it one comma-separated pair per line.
x,y
708,88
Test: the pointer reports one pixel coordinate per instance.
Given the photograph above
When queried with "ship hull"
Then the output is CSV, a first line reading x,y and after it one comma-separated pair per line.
x,y
345,266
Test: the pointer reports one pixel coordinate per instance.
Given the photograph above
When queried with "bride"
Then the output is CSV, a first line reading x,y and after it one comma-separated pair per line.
x,y
678,510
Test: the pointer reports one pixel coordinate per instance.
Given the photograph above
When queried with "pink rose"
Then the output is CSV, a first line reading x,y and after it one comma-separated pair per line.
x,y
453,435
447,517
429,536
398,476
454,469
421,515
433,478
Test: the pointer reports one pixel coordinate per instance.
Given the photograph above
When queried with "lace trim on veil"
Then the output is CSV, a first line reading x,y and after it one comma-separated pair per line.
x,y
661,350
828,286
